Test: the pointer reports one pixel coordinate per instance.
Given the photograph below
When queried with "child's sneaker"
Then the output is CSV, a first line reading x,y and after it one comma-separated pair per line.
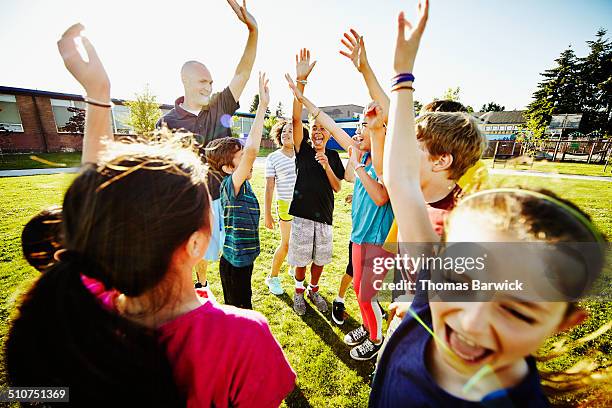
x,y
338,312
318,300
204,291
274,284
299,304
354,337
366,350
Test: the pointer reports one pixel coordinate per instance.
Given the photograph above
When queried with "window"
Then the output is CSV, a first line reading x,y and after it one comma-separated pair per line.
x,y
495,128
9,114
69,115
488,127
121,115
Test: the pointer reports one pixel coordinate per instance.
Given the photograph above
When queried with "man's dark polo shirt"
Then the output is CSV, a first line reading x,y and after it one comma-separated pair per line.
x,y
208,124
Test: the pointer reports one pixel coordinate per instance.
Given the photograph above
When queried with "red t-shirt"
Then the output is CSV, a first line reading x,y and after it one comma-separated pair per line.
x,y
439,210
220,355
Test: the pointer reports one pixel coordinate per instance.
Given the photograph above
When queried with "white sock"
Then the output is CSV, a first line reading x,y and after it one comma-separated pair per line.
x,y
310,286
339,299
299,284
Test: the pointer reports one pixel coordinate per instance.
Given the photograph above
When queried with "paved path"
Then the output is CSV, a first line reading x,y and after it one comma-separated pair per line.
x,y
260,162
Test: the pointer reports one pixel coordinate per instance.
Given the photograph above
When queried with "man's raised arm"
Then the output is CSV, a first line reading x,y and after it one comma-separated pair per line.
x,y
245,66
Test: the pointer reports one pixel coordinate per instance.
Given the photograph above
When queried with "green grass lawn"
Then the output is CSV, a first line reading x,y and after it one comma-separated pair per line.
x,y
327,376
561,168
29,160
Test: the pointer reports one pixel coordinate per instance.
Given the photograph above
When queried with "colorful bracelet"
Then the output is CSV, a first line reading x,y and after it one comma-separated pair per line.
x,y
398,79
399,87
94,102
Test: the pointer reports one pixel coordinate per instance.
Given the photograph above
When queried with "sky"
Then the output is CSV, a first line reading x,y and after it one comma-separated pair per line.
x,y
493,50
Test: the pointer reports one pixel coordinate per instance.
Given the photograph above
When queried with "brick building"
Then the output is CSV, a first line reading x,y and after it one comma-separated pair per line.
x,y
45,122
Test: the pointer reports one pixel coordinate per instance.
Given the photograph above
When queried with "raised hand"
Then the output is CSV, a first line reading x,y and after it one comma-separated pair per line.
x,y
90,74
303,67
355,50
243,15
406,48
264,91
296,92
322,159
354,155
374,116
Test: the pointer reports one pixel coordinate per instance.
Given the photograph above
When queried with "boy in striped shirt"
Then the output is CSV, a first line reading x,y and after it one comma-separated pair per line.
x,y
240,206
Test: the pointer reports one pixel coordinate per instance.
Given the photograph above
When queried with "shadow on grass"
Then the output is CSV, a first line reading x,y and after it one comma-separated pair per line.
x,y
321,325
297,399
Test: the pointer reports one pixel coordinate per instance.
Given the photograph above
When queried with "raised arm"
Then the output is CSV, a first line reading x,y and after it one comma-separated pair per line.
x,y
245,66
401,157
374,118
375,189
251,148
356,52
92,76
323,118
303,68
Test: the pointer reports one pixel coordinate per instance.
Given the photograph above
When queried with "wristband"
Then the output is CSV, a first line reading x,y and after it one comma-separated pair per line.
x,y
359,166
401,87
301,81
94,102
398,79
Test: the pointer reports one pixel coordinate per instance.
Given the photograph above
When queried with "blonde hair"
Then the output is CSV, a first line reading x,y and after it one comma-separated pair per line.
x,y
453,133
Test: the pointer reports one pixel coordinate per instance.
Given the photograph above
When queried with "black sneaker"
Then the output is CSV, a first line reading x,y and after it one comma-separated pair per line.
x,y
354,337
198,285
366,350
338,312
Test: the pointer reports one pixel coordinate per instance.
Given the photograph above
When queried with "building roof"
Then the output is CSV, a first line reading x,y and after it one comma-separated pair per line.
x,y
504,117
58,95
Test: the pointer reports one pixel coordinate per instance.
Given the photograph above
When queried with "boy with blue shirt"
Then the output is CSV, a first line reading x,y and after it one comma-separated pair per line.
x,y
240,206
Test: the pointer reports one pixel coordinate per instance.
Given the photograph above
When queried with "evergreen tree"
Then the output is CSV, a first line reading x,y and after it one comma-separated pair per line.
x,y
557,93
254,104
596,84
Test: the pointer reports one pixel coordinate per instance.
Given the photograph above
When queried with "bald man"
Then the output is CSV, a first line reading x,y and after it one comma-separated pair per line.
x,y
200,111
208,116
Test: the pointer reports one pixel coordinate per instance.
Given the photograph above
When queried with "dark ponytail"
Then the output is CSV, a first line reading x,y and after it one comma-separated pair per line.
x,y
122,222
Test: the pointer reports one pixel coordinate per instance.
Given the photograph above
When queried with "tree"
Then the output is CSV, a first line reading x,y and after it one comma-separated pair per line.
x,y
144,112
279,111
492,107
557,93
452,94
255,105
596,84
269,122
76,123
417,107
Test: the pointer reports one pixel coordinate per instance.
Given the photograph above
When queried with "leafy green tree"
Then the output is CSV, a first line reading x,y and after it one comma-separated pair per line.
x,y
144,112
452,94
417,106
492,107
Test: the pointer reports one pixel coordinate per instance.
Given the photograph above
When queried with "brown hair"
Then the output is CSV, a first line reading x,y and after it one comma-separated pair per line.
x,y
220,152
444,105
41,238
456,134
122,222
277,131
